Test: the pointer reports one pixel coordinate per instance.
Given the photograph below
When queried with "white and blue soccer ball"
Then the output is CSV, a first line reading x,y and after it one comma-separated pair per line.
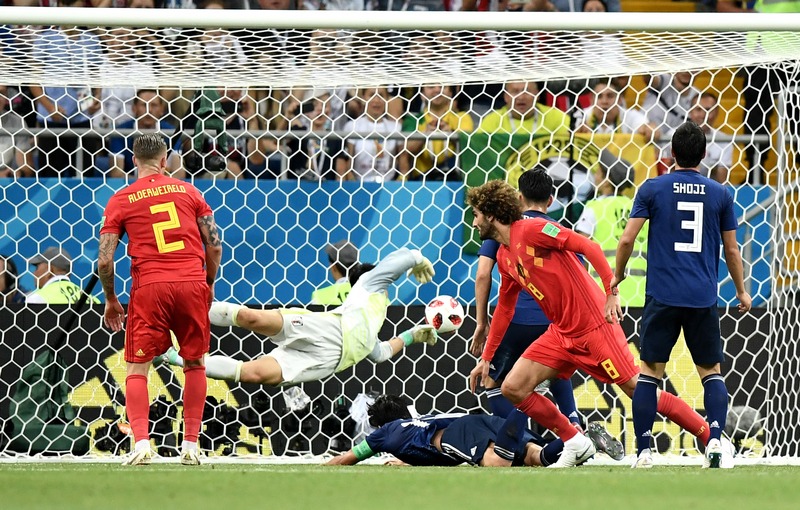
x,y
445,314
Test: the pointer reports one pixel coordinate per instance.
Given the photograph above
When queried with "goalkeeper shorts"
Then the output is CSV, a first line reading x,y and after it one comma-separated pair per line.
x,y
309,345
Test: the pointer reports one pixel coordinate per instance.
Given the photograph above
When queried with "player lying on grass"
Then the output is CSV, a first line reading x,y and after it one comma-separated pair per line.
x,y
453,439
538,255
315,345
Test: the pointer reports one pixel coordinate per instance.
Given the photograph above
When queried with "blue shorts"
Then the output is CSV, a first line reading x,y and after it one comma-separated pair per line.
x,y
517,339
468,437
661,327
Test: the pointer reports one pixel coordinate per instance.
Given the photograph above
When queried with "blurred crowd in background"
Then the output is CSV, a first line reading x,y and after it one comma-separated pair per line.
x,y
249,128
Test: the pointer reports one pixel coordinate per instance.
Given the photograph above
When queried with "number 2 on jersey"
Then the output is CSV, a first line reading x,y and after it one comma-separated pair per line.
x,y
695,225
160,227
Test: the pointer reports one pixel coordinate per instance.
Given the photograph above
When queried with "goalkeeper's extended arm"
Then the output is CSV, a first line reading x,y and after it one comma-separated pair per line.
x,y
393,266
422,334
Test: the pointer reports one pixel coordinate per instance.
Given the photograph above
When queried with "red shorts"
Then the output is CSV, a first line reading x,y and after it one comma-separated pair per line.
x,y
602,353
157,308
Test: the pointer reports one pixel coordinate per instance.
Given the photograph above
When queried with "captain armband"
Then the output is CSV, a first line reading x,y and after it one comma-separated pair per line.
x,y
362,450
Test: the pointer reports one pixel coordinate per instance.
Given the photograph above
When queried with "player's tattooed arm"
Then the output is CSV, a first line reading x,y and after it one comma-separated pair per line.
x,y
114,315
105,262
209,231
213,242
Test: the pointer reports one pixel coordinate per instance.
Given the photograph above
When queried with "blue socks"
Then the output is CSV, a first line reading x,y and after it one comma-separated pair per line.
x,y
510,438
716,402
499,404
565,398
645,405
551,452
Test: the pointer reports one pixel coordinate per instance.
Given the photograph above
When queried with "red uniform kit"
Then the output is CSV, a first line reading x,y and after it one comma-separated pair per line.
x,y
169,291
579,336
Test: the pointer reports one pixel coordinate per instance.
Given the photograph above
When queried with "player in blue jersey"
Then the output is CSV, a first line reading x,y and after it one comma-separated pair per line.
x,y
688,215
453,439
528,324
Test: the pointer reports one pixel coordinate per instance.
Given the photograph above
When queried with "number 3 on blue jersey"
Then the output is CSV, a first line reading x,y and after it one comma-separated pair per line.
x,y
695,225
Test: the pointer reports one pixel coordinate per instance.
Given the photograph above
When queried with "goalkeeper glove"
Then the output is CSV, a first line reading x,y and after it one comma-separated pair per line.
x,y
422,334
423,271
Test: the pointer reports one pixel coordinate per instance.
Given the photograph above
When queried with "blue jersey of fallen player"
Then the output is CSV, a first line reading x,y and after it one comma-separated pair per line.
x,y
528,312
410,441
688,213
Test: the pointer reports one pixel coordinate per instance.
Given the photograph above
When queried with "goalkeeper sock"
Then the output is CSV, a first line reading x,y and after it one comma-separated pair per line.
x,y
499,404
223,367
137,406
173,358
551,452
680,413
194,399
645,403
565,398
545,413
716,402
510,440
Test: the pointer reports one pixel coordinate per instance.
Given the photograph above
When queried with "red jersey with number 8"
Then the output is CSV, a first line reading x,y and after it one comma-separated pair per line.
x,y
159,214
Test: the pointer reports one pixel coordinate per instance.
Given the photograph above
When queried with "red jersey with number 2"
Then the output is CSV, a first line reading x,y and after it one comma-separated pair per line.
x,y
159,214
535,260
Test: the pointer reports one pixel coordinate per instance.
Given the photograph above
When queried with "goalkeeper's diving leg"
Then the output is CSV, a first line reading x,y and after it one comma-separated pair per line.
x,y
313,346
303,366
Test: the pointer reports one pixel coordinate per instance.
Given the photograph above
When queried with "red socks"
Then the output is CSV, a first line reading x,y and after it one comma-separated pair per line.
x,y
137,406
194,399
683,415
545,413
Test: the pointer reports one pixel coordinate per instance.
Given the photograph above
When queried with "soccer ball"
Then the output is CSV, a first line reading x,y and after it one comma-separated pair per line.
x,y
445,314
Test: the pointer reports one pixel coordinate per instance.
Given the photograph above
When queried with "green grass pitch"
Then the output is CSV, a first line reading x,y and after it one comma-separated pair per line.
x,y
282,487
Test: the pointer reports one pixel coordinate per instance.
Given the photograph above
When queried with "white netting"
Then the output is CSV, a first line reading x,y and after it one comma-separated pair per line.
x,y
302,137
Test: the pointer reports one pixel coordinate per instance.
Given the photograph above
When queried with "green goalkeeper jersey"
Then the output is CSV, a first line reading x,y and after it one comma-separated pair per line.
x,y
364,310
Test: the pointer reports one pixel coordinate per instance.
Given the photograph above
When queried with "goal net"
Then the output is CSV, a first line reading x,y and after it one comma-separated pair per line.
x,y
303,129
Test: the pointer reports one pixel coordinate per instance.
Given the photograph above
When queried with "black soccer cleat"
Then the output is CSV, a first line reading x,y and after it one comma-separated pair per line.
x,y
605,442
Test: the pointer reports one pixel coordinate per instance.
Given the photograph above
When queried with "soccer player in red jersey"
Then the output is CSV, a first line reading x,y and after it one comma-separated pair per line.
x,y
538,255
168,225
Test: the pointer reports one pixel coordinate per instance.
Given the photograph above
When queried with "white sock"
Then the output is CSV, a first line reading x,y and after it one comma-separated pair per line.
x,y
142,444
189,446
223,367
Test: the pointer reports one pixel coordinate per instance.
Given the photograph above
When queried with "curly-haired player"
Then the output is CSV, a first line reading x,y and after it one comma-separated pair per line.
x,y
537,255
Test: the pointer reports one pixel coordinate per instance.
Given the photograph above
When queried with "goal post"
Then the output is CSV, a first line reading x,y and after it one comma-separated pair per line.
x,y
304,128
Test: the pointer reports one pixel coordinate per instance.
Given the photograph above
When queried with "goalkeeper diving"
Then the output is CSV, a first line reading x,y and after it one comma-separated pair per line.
x,y
314,345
